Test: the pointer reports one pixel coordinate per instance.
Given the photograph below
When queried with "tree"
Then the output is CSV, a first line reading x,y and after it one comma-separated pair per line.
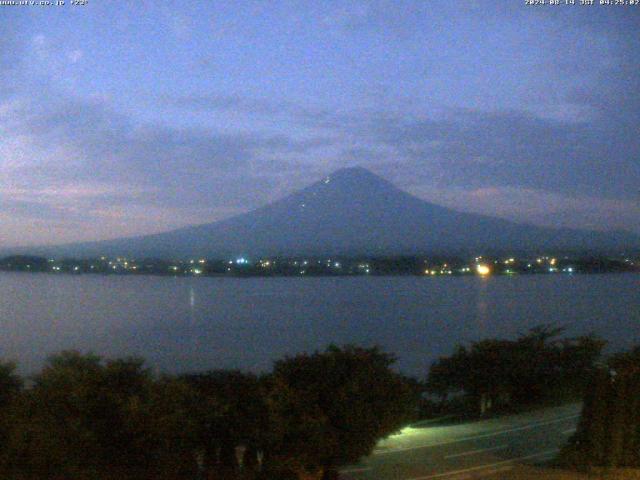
x,y
231,411
534,367
55,422
577,362
10,388
608,433
166,429
10,383
330,408
84,415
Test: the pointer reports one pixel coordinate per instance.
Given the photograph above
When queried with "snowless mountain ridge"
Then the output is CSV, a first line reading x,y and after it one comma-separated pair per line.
x,y
353,212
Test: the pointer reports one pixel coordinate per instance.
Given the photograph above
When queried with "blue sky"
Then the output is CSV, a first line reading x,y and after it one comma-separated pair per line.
x,y
123,118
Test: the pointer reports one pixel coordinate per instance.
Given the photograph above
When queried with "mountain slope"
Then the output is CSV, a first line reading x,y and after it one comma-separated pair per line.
x,y
353,212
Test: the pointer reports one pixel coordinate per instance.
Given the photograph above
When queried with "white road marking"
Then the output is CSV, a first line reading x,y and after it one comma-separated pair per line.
x,y
474,437
473,452
506,468
483,467
355,470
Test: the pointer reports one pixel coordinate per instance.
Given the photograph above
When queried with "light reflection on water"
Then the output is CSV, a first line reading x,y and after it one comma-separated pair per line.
x,y
481,305
182,324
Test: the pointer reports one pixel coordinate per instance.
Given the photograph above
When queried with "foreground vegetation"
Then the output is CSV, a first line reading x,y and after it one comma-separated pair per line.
x,y
538,367
609,431
85,417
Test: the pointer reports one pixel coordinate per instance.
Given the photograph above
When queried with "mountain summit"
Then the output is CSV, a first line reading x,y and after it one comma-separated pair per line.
x,y
354,212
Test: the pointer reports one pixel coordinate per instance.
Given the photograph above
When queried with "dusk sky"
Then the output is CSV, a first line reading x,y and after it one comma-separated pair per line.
x,y
133,117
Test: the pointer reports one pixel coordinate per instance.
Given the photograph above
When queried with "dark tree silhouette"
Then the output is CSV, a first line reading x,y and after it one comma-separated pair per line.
x,y
532,368
608,434
85,415
331,408
231,412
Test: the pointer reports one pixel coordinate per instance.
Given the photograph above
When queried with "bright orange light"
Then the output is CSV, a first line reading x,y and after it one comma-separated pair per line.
x,y
483,270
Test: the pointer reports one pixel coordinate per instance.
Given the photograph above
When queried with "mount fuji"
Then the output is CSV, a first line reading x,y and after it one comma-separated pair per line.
x,y
353,212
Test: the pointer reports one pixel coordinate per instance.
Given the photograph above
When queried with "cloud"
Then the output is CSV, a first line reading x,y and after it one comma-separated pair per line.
x,y
67,158
180,25
539,207
228,102
12,49
75,56
572,150
224,102
516,149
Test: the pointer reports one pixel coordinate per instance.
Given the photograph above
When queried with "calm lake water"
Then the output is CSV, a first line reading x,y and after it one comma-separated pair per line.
x,y
181,324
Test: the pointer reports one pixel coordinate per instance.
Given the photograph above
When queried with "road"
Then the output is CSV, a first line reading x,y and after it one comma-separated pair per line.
x,y
468,450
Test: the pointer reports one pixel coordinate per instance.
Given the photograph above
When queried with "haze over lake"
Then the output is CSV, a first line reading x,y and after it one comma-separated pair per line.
x,y
181,324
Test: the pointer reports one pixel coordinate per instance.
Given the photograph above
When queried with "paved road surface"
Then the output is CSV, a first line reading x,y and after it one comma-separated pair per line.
x,y
469,450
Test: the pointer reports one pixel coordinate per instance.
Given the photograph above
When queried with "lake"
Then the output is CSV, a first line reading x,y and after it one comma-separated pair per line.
x,y
186,324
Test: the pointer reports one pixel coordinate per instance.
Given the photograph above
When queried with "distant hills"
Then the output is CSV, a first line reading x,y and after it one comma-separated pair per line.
x,y
352,212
